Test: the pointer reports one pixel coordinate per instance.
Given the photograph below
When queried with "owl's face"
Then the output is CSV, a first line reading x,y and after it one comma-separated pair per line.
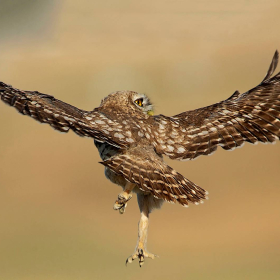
x,y
142,102
127,101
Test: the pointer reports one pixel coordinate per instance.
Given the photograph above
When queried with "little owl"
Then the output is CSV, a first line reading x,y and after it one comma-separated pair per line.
x,y
131,140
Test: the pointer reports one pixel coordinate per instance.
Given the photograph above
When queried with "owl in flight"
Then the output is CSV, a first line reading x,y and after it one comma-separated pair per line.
x,y
131,140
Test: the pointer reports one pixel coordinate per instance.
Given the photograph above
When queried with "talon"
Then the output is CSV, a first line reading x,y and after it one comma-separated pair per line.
x,y
128,260
141,255
121,202
120,206
122,209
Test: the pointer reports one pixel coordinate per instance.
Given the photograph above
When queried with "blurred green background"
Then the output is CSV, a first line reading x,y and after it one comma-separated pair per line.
x,y
56,219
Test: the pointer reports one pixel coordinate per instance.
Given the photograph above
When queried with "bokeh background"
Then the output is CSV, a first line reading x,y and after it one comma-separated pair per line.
x,y
56,216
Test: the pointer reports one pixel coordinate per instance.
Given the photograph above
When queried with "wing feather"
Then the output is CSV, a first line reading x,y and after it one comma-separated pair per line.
x,y
64,117
248,117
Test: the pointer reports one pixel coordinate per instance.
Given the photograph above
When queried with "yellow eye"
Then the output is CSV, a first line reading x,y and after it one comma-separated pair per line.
x,y
139,102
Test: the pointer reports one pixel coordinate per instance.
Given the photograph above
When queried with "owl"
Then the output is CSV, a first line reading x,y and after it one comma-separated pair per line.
x,y
132,141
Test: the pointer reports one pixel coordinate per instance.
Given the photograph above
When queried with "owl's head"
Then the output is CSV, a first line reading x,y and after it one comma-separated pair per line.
x,y
127,101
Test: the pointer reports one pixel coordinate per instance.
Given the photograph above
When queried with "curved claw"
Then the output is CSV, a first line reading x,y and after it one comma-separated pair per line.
x,y
121,202
120,206
141,255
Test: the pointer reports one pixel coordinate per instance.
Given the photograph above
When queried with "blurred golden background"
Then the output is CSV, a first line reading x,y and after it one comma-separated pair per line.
x,y
56,219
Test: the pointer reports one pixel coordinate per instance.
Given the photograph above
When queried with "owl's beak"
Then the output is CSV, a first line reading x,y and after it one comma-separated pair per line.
x,y
150,113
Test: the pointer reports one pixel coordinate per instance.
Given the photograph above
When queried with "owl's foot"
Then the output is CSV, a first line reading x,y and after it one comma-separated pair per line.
x,y
141,254
121,202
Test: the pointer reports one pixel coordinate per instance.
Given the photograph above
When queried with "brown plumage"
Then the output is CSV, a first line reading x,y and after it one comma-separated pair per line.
x,y
131,141
146,169
252,116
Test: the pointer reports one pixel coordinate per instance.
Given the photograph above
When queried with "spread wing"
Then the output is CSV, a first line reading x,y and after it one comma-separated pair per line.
x,y
146,169
252,116
62,116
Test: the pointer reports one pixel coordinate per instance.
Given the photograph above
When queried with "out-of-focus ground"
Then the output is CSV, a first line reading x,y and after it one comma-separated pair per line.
x,y
56,214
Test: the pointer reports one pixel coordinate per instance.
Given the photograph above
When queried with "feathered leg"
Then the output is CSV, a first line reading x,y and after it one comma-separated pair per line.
x,y
144,202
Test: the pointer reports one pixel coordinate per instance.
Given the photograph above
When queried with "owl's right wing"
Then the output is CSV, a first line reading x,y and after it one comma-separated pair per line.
x,y
62,116
253,116
145,168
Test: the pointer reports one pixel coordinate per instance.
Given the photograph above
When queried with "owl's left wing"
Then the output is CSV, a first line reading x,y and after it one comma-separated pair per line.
x,y
64,117
252,116
142,166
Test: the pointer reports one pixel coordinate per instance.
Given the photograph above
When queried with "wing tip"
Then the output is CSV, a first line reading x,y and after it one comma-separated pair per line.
x,y
272,66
